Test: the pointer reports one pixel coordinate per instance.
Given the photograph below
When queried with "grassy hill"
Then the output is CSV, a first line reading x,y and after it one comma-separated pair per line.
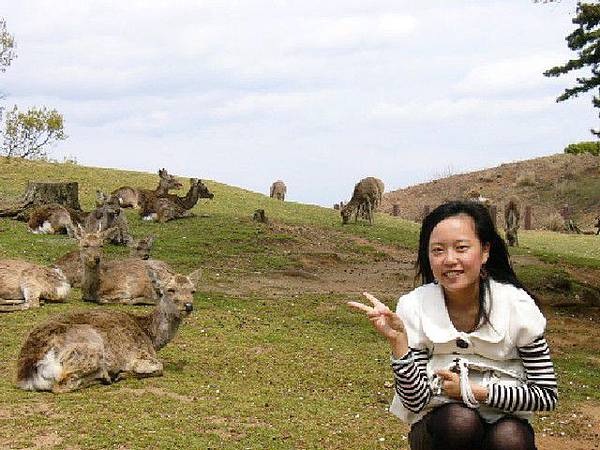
x,y
546,184
272,357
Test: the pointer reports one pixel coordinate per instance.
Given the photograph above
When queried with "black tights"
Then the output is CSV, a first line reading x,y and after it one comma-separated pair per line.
x,y
455,427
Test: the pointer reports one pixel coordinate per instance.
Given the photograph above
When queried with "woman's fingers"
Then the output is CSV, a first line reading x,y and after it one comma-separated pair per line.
x,y
445,375
372,299
361,306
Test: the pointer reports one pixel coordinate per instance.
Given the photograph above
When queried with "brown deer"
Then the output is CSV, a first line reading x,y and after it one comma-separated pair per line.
x,y
512,218
25,285
54,219
77,349
278,190
118,281
108,214
129,197
367,195
169,206
70,264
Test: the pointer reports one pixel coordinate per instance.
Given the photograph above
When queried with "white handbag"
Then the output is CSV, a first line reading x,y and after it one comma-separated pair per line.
x,y
475,369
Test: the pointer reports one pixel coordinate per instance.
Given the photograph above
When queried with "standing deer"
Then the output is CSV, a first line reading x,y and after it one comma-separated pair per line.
x,y
129,197
81,348
25,285
366,196
278,190
511,222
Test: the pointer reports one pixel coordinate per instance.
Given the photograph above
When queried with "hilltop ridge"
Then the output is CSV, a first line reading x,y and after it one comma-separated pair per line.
x,y
546,184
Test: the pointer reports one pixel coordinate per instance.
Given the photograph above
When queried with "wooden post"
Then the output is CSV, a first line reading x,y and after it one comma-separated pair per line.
x,y
395,209
425,211
528,217
493,214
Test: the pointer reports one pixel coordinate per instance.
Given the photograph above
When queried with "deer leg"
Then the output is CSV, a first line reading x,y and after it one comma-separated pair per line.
x,y
143,366
82,365
31,294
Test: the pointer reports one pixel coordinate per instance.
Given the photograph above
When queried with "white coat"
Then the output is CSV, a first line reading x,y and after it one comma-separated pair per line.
x,y
515,321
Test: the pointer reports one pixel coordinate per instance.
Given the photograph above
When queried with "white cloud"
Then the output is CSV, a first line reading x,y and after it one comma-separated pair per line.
x,y
509,75
466,107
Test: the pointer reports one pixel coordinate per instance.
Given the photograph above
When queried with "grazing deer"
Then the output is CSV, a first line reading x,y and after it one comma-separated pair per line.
x,y
278,190
129,197
78,349
367,195
54,219
70,264
25,285
169,206
118,281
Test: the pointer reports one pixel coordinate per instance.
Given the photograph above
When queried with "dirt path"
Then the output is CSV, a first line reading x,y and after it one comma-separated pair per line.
x,y
330,263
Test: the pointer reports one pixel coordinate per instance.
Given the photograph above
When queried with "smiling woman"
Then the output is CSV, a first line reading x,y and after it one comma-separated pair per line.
x,y
469,357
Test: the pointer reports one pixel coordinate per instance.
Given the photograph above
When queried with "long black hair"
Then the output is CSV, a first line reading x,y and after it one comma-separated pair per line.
x,y
498,264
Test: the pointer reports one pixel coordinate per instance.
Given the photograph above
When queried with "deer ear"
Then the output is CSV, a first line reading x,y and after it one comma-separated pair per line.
x,y
75,231
195,277
109,234
156,282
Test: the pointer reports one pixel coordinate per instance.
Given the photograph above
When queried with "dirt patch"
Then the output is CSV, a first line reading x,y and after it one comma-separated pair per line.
x,y
160,393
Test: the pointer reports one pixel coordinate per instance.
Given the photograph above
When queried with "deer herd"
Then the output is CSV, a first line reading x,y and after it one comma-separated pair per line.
x,y
79,348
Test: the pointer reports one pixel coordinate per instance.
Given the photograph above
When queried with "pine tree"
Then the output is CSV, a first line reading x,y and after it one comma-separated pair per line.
x,y
585,40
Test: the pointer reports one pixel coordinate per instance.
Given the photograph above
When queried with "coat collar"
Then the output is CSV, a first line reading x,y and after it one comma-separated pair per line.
x,y
439,328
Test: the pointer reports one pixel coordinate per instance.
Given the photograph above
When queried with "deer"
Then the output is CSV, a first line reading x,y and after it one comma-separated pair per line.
x,y
123,281
53,218
278,190
367,195
25,285
70,263
108,214
81,348
129,197
169,206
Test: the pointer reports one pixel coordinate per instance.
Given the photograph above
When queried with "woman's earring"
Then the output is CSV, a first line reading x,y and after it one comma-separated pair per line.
x,y
483,274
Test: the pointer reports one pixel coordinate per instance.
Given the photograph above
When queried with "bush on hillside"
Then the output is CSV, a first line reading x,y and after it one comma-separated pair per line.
x,y
592,147
554,222
526,178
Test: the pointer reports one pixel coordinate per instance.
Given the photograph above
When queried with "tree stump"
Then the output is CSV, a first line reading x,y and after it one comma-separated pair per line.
x,y
66,194
260,216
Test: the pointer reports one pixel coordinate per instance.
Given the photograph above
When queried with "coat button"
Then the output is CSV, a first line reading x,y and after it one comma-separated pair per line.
x,y
461,343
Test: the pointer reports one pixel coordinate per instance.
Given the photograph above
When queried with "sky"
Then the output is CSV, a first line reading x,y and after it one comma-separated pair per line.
x,y
316,93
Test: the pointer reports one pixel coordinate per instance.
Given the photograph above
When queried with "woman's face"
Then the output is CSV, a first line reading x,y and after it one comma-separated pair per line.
x,y
456,254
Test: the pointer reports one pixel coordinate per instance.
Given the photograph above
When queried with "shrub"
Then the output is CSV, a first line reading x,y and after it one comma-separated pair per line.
x,y
554,222
526,178
592,147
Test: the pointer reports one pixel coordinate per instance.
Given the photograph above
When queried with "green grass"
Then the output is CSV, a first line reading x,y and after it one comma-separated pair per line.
x,y
246,371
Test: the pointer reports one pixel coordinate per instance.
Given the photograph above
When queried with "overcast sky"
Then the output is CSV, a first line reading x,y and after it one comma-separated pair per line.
x,y
317,93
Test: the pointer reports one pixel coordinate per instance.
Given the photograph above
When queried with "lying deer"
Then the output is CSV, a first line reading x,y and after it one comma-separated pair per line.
x,y
170,207
78,349
118,281
70,264
129,197
54,219
25,285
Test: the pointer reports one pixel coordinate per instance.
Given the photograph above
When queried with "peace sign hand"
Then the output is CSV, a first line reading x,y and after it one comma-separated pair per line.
x,y
386,322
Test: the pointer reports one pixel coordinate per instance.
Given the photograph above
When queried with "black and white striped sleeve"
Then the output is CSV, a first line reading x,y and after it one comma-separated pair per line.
x,y
539,393
410,379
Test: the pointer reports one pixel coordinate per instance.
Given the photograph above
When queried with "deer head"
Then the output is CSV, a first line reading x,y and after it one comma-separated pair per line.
x,y
203,191
140,248
168,181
